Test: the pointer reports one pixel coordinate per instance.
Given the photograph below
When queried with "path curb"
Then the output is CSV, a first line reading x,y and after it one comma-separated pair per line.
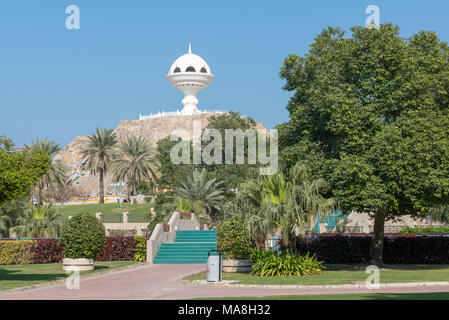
x,y
56,283
334,286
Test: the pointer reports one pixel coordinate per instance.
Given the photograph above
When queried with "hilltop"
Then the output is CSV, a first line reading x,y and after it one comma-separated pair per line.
x,y
153,129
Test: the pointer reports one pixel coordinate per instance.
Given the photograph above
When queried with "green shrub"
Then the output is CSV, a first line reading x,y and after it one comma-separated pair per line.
x,y
16,252
83,236
269,264
233,237
257,254
429,229
140,253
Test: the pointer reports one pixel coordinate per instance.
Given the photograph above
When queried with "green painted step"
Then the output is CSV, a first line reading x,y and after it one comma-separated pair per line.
x,y
179,261
197,231
195,240
192,247
168,255
188,236
189,247
184,252
180,244
193,235
173,251
181,257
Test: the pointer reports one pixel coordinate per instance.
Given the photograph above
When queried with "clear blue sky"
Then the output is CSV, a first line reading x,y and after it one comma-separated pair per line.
x,y
60,84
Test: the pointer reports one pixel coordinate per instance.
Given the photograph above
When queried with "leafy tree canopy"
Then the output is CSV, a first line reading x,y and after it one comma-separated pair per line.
x,y
231,174
19,171
170,173
372,108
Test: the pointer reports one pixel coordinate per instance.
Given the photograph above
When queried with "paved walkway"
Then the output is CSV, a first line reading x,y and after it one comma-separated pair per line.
x,y
160,282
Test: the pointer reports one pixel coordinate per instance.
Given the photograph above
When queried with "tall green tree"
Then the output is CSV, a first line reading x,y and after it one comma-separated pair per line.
x,y
98,154
135,161
372,110
170,173
19,171
56,175
233,174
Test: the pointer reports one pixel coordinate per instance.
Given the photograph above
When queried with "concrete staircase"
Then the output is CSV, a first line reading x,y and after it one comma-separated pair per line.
x,y
189,247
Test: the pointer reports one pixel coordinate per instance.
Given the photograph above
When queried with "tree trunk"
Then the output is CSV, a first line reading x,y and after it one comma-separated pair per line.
x,y
101,186
134,187
40,195
378,239
40,202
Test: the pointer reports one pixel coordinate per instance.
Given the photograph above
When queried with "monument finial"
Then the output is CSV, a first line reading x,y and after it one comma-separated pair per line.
x,y
190,47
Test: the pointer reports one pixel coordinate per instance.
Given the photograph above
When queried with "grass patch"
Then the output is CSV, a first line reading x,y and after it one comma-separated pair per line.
x,y
344,274
105,208
15,276
358,296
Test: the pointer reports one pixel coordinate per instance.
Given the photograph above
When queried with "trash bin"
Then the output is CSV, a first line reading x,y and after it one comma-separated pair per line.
x,y
214,266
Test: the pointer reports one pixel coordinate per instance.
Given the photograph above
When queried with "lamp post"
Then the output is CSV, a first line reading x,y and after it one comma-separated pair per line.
x,y
121,192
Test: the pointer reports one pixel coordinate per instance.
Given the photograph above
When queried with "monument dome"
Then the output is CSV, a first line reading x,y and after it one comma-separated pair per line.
x,y
190,74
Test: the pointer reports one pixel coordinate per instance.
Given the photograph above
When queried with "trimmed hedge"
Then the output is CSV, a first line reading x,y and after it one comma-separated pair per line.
x,y
47,251
140,254
118,248
16,252
428,229
401,249
51,251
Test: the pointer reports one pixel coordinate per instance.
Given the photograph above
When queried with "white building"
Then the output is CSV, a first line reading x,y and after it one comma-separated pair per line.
x,y
190,74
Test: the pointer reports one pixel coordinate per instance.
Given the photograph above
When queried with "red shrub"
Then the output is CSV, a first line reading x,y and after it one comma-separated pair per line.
x,y
47,251
118,248
397,248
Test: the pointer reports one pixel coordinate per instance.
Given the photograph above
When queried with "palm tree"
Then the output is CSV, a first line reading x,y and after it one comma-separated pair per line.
x,y
135,160
249,206
277,215
307,196
38,221
294,201
202,193
285,203
98,153
56,175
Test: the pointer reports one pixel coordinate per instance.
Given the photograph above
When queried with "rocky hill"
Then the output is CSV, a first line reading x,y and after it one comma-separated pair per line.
x,y
152,129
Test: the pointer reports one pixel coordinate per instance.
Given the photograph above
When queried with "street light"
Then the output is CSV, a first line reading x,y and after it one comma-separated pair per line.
x,y
121,192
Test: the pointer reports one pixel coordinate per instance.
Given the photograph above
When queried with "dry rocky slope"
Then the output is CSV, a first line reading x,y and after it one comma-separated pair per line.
x,y
153,129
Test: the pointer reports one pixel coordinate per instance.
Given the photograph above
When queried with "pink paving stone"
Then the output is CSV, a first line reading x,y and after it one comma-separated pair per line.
x,y
160,282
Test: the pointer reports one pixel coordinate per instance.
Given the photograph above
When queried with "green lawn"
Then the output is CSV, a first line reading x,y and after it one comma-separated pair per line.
x,y
361,296
14,276
343,274
105,208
